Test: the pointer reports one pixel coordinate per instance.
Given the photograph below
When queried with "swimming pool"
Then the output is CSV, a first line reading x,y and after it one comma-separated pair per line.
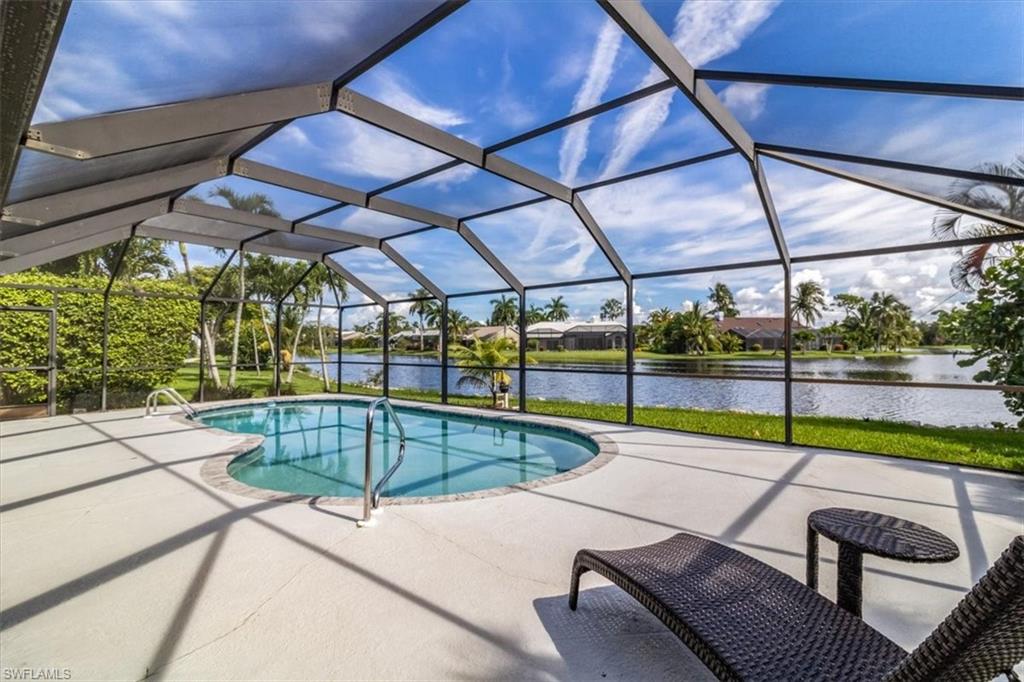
x,y
316,448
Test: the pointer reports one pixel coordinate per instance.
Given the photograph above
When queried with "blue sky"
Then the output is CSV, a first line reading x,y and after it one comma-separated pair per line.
x,y
495,69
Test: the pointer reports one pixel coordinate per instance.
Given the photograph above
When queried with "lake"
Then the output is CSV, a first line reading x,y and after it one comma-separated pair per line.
x,y
942,407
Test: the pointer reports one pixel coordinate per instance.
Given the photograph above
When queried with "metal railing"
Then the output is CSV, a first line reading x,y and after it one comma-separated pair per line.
x,y
152,402
371,493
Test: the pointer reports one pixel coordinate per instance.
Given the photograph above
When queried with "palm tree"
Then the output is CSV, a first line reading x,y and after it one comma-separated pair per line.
x,y
831,331
612,309
722,301
536,314
884,312
259,204
505,311
1006,200
476,363
558,309
807,303
458,325
698,330
421,308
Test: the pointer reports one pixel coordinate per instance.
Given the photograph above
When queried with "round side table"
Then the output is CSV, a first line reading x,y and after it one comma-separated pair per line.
x,y
859,532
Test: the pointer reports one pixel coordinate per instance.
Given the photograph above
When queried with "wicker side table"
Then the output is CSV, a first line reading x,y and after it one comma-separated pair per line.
x,y
859,532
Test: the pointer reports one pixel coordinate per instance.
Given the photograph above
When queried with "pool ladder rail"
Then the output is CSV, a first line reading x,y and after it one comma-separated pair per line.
x,y
153,403
371,493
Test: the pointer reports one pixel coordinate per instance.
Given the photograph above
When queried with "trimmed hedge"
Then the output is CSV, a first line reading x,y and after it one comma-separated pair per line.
x,y
144,332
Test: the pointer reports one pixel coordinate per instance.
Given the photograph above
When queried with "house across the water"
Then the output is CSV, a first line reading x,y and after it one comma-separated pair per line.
x,y
577,335
766,332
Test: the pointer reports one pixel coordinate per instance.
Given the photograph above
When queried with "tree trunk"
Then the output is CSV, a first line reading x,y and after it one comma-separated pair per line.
x,y
255,350
211,356
295,345
233,372
270,337
320,341
183,250
421,333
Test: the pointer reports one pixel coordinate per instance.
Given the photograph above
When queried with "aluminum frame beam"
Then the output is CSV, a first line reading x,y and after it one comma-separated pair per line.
x,y
64,250
355,281
871,84
378,114
126,131
67,233
889,163
645,32
30,31
75,203
412,271
900,191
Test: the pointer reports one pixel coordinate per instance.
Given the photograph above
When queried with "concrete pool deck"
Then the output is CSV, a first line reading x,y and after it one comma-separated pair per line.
x,y
117,561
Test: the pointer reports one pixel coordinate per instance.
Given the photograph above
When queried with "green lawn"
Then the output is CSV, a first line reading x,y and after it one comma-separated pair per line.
x,y
976,447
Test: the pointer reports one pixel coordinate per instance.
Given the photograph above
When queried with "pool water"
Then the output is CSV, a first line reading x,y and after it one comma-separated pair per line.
x,y
317,448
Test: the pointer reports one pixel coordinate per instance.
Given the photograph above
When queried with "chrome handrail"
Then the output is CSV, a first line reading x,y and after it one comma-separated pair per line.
x,y
152,404
371,493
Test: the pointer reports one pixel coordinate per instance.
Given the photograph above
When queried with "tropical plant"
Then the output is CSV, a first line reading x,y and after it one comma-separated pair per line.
x,y
722,302
421,308
612,309
480,365
805,337
536,314
998,198
458,325
831,331
994,324
143,259
730,343
808,302
259,204
698,330
505,311
558,309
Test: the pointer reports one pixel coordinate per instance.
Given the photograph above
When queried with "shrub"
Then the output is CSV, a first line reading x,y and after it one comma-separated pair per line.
x,y
560,348
798,346
227,393
532,344
839,346
756,347
144,332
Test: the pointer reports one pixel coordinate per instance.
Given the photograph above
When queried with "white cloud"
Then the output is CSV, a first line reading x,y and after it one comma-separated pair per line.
x,y
745,100
599,73
364,150
391,88
703,31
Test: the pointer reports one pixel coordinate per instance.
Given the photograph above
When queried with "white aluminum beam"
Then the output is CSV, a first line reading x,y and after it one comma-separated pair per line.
x,y
125,131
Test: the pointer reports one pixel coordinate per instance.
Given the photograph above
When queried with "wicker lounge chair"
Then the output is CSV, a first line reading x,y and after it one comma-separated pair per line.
x,y
748,621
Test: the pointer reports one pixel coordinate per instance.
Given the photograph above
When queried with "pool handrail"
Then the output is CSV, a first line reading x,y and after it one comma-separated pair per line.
x,y
152,402
371,493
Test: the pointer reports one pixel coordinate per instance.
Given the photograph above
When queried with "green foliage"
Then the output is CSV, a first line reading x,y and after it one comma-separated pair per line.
x,y
557,309
994,324
612,309
144,332
722,301
505,311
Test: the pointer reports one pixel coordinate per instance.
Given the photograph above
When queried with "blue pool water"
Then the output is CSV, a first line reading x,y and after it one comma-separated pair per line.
x,y
317,448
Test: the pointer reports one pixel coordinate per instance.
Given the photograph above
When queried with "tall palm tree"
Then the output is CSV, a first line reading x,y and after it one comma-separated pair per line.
x,y
721,299
885,309
421,308
1006,200
458,325
807,302
259,204
505,311
558,309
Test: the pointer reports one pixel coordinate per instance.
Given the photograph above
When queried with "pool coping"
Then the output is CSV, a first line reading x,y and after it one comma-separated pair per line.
x,y
214,470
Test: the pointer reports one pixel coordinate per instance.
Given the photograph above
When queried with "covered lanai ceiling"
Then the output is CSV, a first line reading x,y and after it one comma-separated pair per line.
x,y
464,145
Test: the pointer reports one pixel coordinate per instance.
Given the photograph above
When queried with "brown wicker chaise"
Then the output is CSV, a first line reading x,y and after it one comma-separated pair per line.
x,y
748,621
